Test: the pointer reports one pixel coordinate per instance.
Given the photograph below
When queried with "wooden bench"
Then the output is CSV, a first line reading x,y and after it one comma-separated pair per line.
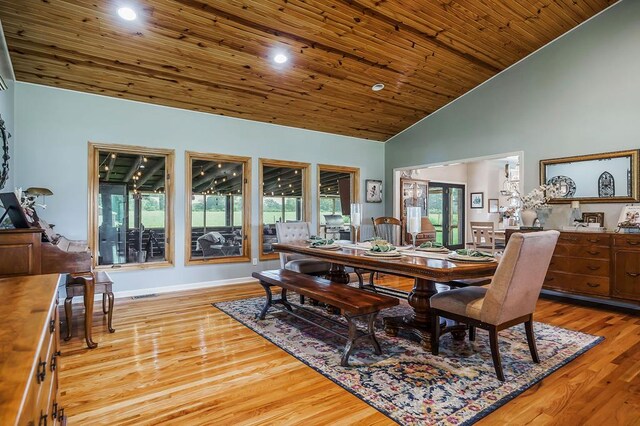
x,y
352,302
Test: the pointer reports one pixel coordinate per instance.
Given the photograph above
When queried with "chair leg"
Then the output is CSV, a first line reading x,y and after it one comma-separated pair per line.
x,y
104,303
110,313
435,332
472,333
68,314
495,353
531,339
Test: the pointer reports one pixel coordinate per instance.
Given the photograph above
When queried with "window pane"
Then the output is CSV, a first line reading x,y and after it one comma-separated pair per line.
x,y
335,188
216,208
131,208
282,200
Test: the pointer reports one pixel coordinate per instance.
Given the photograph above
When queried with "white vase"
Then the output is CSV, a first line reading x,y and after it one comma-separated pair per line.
x,y
528,217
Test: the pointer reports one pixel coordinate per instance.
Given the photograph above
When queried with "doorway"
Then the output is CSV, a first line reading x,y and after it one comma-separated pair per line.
x,y
446,210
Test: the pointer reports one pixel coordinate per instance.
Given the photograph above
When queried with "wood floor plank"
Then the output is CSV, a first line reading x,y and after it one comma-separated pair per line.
x,y
175,359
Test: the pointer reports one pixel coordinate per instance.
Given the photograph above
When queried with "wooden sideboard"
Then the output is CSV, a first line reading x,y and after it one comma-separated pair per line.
x,y
30,342
602,266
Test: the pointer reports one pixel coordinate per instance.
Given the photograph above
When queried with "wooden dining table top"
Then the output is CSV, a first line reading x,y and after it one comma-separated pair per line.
x,y
438,269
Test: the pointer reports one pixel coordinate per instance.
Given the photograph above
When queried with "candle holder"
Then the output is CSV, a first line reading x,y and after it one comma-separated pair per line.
x,y
356,219
414,222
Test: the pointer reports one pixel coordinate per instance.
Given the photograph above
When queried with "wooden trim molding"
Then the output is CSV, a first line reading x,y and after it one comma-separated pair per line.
x,y
355,183
93,191
306,196
246,208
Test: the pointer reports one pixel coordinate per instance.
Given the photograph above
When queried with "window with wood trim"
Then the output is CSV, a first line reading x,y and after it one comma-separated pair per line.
x,y
218,209
284,197
338,187
130,206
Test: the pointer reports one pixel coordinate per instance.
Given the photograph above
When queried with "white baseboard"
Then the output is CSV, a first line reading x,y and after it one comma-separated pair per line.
x,y
180,287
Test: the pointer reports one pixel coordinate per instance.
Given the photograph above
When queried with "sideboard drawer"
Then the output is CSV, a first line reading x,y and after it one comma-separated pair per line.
x,y
629,241
584,238
583,266
577,283
582,251
627,274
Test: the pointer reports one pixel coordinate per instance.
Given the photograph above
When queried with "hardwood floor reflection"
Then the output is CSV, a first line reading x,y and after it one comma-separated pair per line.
x,y
175,359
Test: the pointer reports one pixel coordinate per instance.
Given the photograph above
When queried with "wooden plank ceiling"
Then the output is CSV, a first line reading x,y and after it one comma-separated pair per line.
x,y
216,56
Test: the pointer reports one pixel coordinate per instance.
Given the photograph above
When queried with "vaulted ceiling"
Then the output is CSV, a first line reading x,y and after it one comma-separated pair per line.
x,y
216,56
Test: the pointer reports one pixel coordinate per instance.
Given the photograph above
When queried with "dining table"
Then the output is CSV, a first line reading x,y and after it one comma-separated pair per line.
x,y
426,268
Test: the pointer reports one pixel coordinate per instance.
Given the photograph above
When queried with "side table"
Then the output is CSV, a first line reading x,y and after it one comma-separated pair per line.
x,y
87,285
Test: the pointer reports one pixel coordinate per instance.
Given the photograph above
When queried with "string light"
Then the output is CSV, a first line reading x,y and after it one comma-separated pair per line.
x,y
296,172
144,159
219,165
113,155
234,173
106,168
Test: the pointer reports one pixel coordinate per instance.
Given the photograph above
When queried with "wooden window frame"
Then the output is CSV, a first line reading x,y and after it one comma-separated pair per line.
x,y
306,196
355,184
94,189
246,208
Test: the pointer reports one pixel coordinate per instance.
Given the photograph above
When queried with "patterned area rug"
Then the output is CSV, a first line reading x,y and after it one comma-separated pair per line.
x,y
406,382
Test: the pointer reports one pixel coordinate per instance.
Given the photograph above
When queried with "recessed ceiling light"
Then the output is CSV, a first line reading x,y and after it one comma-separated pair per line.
x,y
377,87
280,58
127,13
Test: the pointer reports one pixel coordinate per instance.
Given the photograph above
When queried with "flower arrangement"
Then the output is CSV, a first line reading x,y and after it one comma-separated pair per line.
x,y
539,197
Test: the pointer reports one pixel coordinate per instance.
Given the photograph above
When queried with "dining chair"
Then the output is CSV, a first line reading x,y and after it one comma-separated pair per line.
x,y
509,300
389,229
483,236
295,231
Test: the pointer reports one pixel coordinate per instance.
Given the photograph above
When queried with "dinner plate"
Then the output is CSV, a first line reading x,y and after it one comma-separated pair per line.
x,y
382,254
464,258
327,247
433,249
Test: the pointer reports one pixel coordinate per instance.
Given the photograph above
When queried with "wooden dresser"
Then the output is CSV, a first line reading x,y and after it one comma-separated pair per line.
x,y
605,266
30,343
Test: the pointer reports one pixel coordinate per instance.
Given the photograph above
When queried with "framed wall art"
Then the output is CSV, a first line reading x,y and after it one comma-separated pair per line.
x,y
477,200
373,190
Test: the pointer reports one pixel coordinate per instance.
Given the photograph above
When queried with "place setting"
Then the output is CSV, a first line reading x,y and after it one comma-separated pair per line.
x,y
474,256
323,244
384,249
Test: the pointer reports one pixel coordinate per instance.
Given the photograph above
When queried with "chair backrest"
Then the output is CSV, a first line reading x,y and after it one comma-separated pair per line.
x,y
482,234
291,231
516,285
388,228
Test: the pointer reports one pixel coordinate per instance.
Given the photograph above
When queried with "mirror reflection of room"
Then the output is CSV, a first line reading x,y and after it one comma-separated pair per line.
x,y
132,219
217,208
283,200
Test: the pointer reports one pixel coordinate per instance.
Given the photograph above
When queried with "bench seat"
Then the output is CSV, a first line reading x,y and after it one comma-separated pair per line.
x,y
352,302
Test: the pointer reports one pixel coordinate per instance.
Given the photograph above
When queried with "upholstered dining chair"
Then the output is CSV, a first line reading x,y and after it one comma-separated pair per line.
x,y
509,300
296,231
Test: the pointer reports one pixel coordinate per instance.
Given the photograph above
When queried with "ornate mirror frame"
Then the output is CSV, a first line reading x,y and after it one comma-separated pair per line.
x,y
634,197
4,167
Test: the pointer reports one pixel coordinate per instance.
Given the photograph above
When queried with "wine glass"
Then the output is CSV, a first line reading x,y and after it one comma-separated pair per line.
x,y
356,219
414,222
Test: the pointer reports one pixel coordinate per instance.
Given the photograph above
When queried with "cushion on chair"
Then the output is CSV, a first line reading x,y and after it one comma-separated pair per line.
x,y
462,301
307,266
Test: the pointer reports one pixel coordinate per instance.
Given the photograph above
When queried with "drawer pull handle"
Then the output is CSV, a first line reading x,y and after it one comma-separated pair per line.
x,y
54,411
592,285
633,243
593,268
61,418
593,252
43,419
54,362
549,278
52,326
633,274
569,239
594,240
42,371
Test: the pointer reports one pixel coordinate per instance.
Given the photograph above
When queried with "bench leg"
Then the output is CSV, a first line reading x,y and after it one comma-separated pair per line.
x,y
284,301
268,303
353,334
371,331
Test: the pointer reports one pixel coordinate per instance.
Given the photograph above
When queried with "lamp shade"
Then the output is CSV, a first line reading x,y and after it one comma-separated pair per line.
x,y
38,191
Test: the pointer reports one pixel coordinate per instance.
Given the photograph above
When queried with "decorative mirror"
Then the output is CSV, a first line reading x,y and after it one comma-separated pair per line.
x,y
597,178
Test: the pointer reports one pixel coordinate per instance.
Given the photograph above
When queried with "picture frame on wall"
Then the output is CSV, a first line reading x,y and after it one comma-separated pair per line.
x,y
477,200
494,206
593,217
373,191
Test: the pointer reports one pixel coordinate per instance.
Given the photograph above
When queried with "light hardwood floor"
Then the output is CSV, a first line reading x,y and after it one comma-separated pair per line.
x,y
175,359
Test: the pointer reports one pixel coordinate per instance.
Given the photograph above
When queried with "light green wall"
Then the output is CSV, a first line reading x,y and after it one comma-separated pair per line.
x,y
55,126
578,95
